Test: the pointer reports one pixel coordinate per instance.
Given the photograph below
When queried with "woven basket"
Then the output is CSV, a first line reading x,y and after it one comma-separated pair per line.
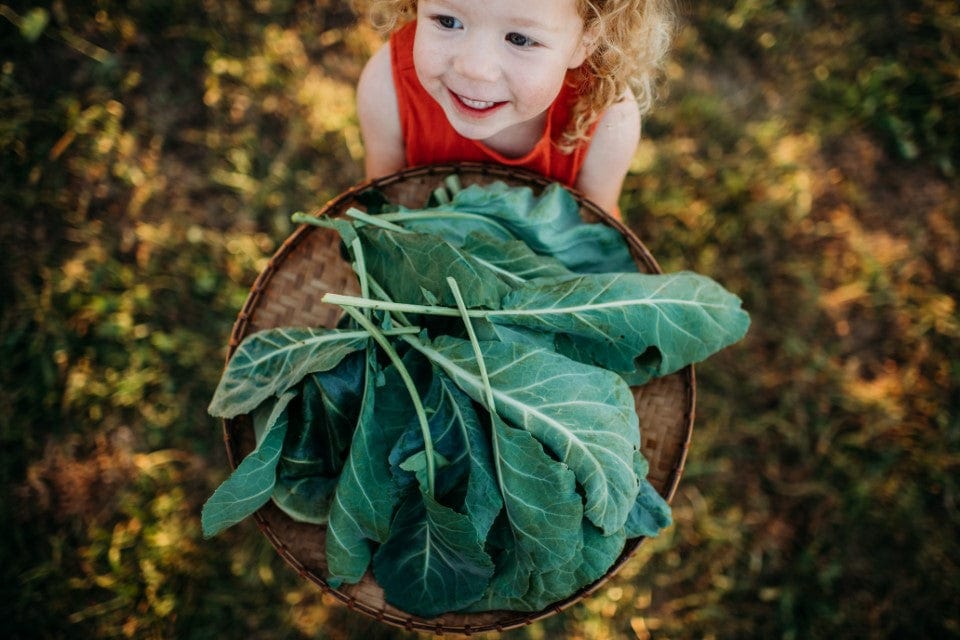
x,y
288,293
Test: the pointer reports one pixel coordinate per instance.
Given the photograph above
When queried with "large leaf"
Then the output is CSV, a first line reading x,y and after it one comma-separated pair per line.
x,y
638,324
366,495
513,260
482,501
414,267
551,225
458,437
249,486
542,510
269,362
433,561
318,438
584,415
545,588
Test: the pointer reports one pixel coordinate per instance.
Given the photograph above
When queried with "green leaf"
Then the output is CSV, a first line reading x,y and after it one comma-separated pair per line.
x,y
416,464
542,507
582,414
269,362
551,225
318,438
366,495
249,486
305,499
482,500
513,260
650,513
635,324
433,561
414,267
448,433
541,589
466,480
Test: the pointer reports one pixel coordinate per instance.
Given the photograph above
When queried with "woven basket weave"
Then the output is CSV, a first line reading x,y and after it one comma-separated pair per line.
x,y
288,293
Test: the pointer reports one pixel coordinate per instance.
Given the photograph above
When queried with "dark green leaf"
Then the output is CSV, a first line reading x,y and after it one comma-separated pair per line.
x,y
551,225
366,495
414,267
543,510
583,415
544,588
318,437
433,561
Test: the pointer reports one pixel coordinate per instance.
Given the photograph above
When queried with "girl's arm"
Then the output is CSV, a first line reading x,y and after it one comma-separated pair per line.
x,y
379,116
611,150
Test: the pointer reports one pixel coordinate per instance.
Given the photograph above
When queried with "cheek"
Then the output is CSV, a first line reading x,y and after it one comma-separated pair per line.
x,y
537,90
428,58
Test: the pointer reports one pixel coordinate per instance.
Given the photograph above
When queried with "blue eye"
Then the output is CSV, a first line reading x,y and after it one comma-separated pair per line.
x,y
448,22
520,40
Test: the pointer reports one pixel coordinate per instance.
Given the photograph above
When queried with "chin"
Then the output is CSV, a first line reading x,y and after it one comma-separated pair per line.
x,y
471,131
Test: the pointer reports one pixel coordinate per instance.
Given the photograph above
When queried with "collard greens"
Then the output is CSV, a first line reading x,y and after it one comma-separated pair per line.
x,y
468,433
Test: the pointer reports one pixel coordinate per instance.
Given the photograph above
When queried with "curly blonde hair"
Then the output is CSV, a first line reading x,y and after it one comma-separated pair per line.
x,y
632,39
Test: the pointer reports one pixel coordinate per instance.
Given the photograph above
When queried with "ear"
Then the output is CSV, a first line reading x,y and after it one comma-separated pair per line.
x,y
589,40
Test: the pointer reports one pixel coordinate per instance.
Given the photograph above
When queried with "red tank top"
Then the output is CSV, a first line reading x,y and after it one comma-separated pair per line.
x,y
420,112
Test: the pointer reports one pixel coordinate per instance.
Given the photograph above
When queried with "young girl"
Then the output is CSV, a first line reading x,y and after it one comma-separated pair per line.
x,y
556,86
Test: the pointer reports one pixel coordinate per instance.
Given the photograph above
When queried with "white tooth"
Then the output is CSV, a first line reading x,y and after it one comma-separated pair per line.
x,y
476,104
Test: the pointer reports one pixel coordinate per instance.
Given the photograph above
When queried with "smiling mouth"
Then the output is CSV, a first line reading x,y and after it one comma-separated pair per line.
x,y
476,104
475,107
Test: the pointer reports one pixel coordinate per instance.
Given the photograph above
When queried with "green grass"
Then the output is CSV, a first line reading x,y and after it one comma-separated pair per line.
x,y
802,154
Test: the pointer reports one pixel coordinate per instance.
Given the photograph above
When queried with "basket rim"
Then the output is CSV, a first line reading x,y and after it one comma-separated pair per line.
x,y
232,426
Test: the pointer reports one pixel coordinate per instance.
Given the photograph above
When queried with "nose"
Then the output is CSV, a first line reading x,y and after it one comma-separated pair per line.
x,y
476,61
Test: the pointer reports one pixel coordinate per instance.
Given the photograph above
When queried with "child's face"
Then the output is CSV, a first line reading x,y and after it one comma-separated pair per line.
x,y
496,66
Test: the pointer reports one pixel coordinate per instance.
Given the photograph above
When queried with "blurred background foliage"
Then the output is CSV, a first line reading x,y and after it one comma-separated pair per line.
x,y
804,153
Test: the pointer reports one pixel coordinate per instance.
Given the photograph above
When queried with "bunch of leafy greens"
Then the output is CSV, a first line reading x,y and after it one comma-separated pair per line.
x,y
468,432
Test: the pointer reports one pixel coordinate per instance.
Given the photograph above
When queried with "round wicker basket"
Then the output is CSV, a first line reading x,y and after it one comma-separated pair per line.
x,y
288,293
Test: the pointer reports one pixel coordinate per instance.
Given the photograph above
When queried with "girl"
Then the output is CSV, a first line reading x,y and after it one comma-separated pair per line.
x,y
556,86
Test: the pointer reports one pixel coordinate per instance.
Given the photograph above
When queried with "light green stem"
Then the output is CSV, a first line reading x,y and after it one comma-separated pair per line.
x,y
360,268
436,213
402,307
484,377
472,335
381,340
374,221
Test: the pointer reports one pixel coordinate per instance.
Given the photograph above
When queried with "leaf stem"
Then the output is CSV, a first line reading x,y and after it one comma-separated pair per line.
x,y
485,380
384,305
374,221
443,212
381,340
360,268
472,335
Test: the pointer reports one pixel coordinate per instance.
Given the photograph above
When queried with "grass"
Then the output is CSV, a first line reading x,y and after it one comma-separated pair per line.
x,y
800,154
